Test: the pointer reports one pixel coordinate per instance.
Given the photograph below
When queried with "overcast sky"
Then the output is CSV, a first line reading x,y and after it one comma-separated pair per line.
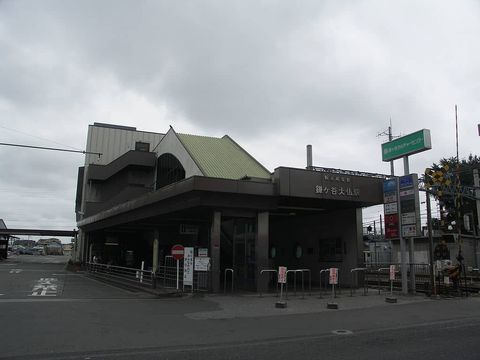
x,y
274,75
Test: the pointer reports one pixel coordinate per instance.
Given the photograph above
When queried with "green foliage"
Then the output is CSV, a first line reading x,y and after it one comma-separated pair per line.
x,y
448,207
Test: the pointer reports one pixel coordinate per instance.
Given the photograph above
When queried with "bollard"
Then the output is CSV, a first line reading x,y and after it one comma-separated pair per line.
x,y
225,280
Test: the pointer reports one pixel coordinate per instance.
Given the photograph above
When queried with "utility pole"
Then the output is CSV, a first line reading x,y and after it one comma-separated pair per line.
x,y
389,132
476,184
430,241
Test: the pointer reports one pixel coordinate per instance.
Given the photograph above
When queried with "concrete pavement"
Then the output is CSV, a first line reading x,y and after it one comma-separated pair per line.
x,y
90,319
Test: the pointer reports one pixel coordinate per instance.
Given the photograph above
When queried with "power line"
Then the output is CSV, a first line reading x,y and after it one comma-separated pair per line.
x,y
37,137
53,149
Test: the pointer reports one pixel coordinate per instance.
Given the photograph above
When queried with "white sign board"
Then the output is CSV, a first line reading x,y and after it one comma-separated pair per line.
x,y
409,218
282,274
202,252
392,272
188,266
390,198
409,230
391,208
333,278
202,263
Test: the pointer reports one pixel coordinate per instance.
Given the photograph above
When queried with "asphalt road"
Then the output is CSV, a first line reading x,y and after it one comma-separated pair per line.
x,y
81,318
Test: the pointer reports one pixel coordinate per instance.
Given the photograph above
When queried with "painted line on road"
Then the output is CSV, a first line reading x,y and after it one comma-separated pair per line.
x,y
45,287
342,332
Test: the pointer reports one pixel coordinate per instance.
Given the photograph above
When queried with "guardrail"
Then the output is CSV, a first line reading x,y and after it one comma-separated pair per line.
x,y
270,271
130,276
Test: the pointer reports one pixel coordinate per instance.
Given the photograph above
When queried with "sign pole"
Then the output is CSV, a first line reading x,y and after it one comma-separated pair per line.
x,y
178,273
282,279
403,253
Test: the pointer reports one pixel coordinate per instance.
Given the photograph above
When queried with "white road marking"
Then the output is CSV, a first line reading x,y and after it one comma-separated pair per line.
x,y
15,271
45,287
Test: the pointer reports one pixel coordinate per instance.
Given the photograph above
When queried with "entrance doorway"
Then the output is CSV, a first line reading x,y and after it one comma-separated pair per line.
x,y
238,251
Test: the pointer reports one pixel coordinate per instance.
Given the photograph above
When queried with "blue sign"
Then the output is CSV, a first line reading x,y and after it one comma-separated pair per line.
x,y
406,181
390,186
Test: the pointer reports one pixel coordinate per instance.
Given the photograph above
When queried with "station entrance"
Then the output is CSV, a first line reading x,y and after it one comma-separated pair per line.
x,y
238,252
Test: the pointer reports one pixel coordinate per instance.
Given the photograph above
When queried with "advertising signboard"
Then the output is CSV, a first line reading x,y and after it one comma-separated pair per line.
x,y
391,208
407,145
409,205
391,226
390,196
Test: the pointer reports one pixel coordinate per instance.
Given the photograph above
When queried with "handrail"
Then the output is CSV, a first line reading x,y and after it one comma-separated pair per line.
x,y
353,272
295,282
270,271
378,278
321,272
225,280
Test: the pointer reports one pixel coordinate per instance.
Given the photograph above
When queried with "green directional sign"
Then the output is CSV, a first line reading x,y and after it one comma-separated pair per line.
x,y
407,145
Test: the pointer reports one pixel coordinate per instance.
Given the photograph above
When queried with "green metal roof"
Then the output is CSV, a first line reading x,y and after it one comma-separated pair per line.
x,y
222,157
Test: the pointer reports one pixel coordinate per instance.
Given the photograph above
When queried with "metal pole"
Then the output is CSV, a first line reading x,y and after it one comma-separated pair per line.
x,y
403,259
430,241
390,138
412,265
178,273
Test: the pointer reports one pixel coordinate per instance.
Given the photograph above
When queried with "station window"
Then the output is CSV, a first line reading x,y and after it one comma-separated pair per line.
x,y
331,250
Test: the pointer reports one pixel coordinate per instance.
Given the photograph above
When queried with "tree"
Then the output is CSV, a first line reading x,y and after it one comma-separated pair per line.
x,y
452,184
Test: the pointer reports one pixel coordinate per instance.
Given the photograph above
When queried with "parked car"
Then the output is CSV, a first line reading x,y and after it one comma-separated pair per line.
x,y
38,250
28,251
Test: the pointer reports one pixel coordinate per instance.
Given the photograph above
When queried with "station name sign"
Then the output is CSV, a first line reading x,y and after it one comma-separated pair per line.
x,y
407,145
328,185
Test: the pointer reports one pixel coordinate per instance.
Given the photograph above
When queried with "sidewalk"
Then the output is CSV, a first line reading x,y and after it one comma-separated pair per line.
x,y
252,305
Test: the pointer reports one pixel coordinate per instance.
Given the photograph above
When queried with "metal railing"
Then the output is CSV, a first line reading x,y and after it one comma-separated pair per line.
x,y
322,272
131,276
381,280
296,271
270,272
355,272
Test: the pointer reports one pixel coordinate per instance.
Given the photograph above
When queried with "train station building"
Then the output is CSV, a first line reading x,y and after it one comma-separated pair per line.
x,y
139,193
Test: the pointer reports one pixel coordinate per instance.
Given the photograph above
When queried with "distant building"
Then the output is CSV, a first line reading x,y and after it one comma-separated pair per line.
x,y
49,241
25,243
3,241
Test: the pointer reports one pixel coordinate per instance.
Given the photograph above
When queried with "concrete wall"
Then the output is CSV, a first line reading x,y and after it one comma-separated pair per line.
x,y
308,231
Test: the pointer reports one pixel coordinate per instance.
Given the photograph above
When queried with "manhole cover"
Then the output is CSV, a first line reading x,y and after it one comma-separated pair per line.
x,y
342,332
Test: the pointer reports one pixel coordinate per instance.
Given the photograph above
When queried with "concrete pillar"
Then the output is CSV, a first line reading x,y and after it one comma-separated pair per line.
x,y
156,239
261,250
215,250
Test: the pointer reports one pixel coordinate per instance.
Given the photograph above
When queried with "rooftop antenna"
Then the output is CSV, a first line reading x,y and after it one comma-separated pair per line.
x,y
390,138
